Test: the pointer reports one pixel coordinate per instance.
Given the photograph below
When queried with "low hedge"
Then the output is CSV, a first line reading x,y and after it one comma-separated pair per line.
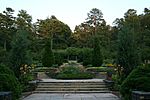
x,y
75,76
45,69
100,69
138,79
71,69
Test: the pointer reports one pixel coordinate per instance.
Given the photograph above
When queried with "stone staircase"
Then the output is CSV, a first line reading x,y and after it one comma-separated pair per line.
x,y
78,86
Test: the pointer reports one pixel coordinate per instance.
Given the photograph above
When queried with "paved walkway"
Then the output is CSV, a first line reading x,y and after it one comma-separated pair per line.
x,y
42,75
73,96
84,80
95,96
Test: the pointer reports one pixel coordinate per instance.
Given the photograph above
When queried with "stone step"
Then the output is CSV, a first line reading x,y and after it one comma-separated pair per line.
x,y
106,91
71,81
71,89
70,86
100,83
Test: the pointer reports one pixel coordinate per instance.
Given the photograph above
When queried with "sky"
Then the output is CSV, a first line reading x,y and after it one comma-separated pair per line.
x,y
74,12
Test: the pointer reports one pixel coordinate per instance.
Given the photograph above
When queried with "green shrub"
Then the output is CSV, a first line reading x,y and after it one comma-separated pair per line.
x,y
73,72
138,79
5,70
97,58
8,82
75,76
117,82
87,56
100,69
69,70
45,69
48,56
24,80
72,51
59,57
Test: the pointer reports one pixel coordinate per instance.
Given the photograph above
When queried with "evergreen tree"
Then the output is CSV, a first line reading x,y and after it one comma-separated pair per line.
x,y
127,56
48,56
97,58
19,52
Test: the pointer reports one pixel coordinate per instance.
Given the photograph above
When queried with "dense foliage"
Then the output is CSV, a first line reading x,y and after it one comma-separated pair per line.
x,y
138,79
51,42
127,56
48,56
9,82
86,56
19,52
97,58
75,76
73,72
100,69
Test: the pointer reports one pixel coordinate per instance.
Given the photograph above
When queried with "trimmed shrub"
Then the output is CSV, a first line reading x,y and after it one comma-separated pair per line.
x,y
8,82
87,56
45,69
100,69
97,58
59,55
24,80
138,79
73,72
48,56
75,76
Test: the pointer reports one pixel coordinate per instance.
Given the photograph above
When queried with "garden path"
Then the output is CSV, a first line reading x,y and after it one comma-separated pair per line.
x,y
42,75
93,96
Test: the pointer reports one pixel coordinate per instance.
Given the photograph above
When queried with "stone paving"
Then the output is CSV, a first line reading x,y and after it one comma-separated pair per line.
x,y
73,96
93,96
42,75
82,80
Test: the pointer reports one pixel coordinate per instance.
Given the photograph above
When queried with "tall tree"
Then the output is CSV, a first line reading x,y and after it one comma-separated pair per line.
x,y
7,28
95,17
19,52
59,32
144,40
82,34
127,56
24,20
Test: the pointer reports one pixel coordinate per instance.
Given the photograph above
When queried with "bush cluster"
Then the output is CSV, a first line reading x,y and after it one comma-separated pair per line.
x,y
60,57
70,72
100,69
8,82
75,76
138,79
97,58
48,56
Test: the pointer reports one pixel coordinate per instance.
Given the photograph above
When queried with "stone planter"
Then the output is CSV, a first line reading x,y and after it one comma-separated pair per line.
x,y
101,75
5,96
140,95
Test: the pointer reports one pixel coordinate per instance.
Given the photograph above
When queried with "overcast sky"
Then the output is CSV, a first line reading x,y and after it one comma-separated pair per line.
x,y
74,12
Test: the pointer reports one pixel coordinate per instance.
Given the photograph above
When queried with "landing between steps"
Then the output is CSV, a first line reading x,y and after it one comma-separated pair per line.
x,y
82,80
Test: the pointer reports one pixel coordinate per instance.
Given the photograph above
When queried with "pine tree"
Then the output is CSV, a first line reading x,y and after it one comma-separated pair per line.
x,y
19,52
127,55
